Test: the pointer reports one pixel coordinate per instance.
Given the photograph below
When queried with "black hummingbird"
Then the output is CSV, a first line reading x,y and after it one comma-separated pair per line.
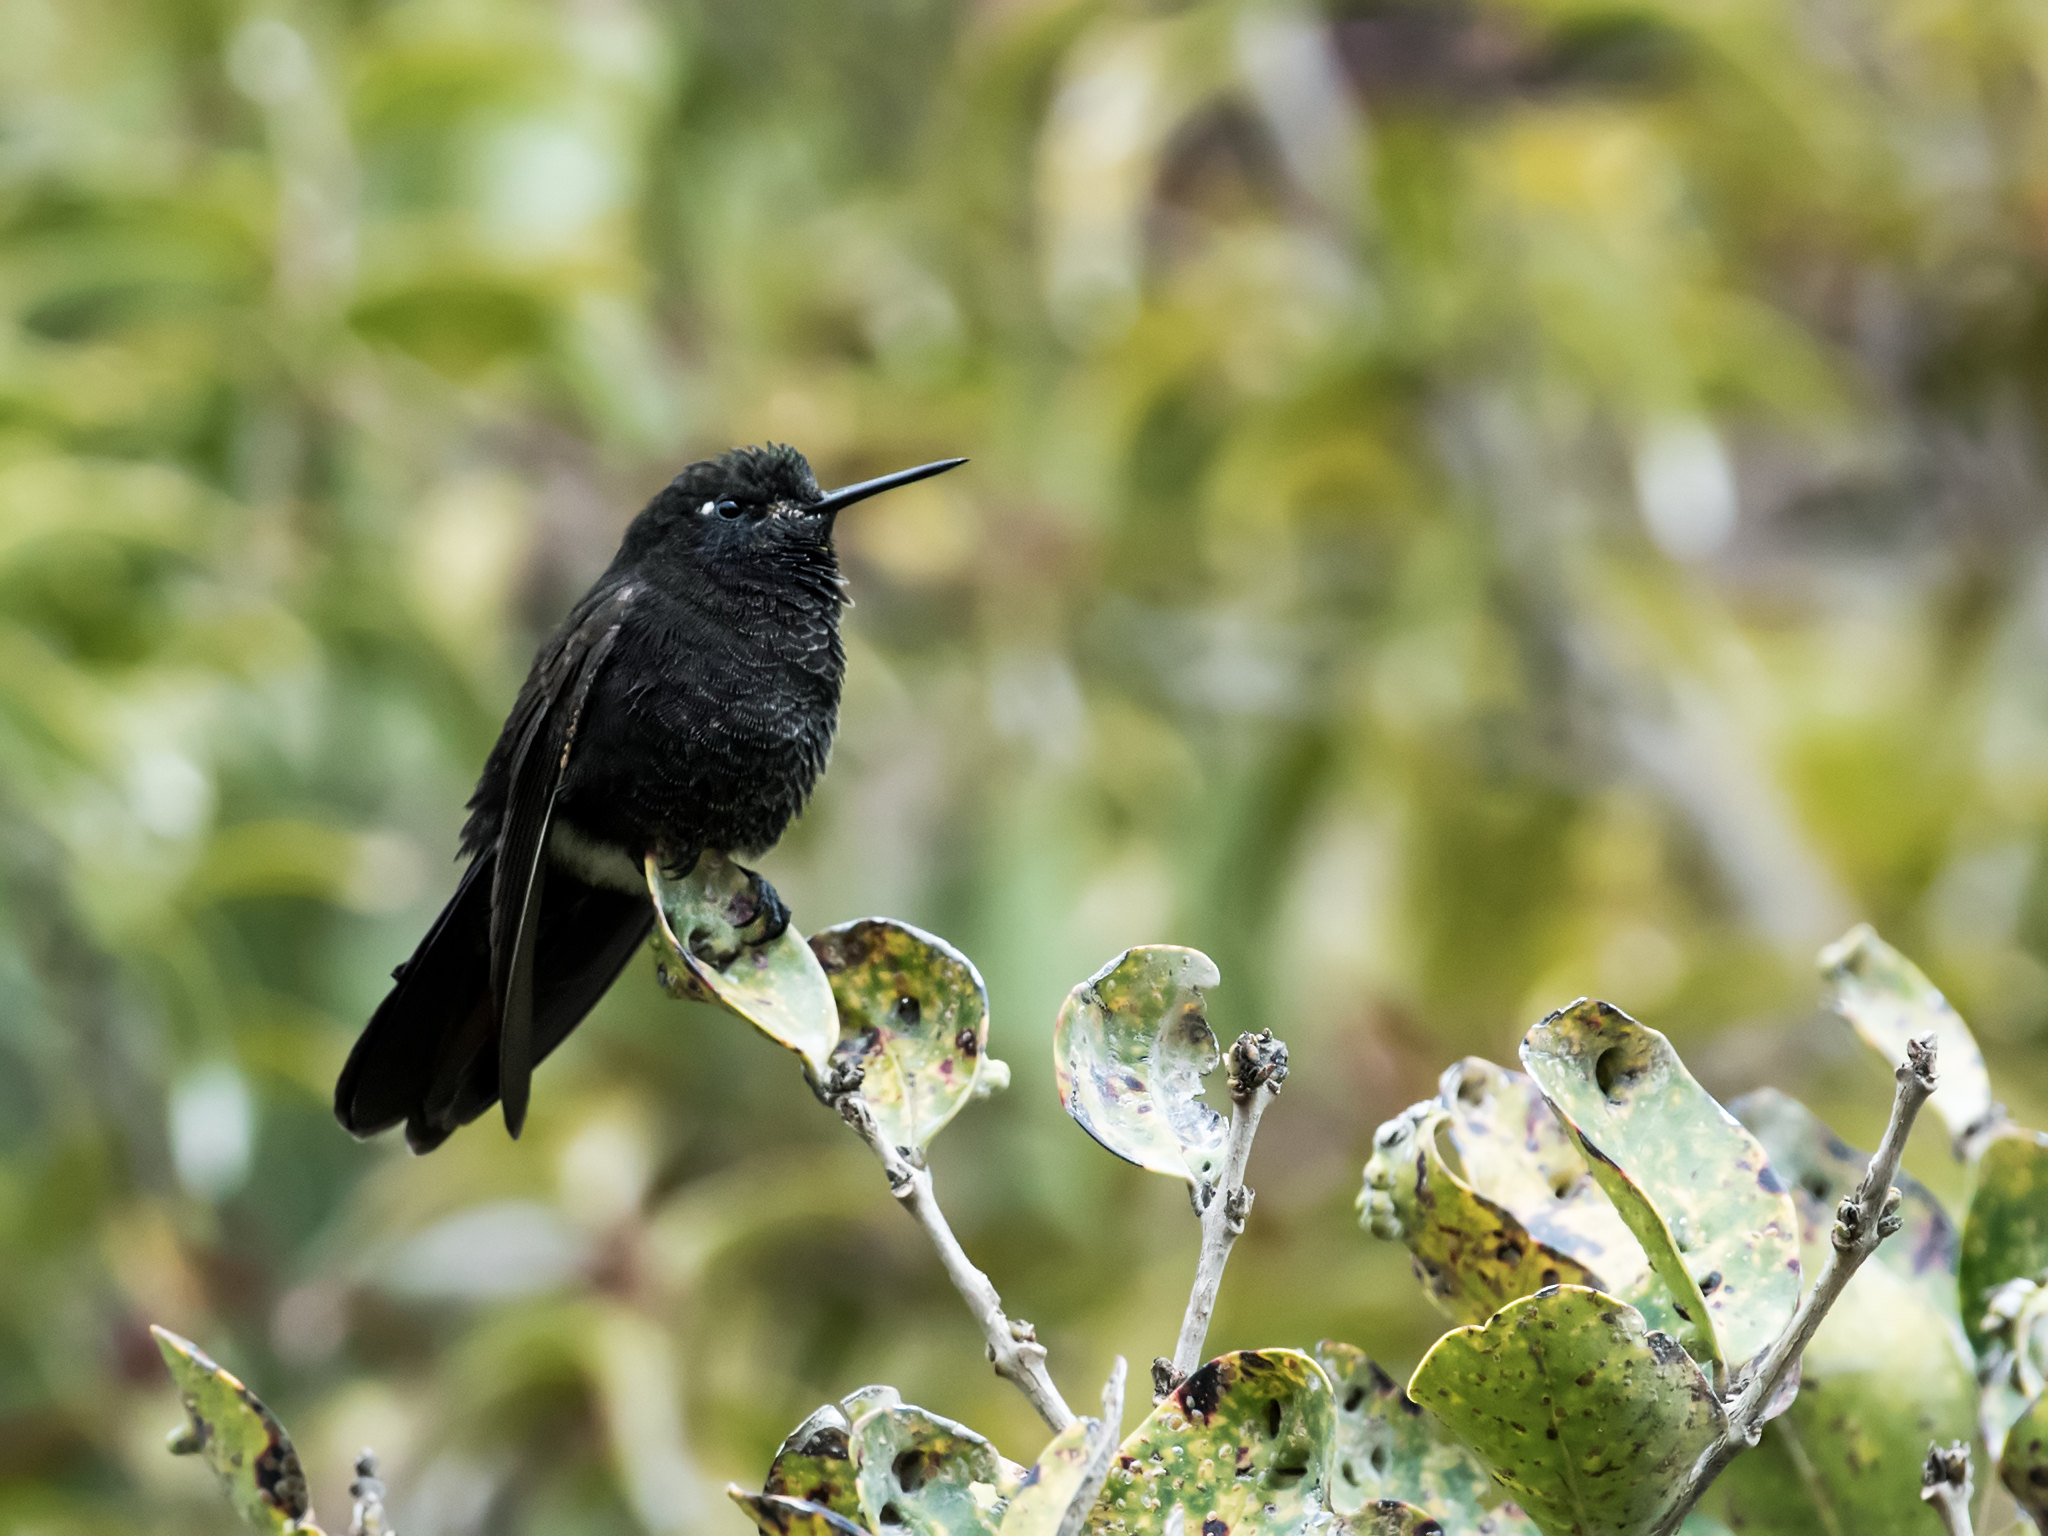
x,y
687,703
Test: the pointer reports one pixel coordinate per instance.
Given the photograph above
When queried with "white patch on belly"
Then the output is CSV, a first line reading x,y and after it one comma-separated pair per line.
x,y
594,862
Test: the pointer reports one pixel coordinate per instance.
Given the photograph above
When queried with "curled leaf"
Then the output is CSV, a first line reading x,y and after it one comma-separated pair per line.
x,y
1590,1420
778,1515
1387,1448
1130,1049
2005,1229
240,1438
1692,1185
926,1475
1888,1000
703,924
913,1016
1241,1448
815,1464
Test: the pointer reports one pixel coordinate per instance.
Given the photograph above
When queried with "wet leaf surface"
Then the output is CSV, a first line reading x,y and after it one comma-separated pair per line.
x,y
2023,1464
777,1515
815,1464
1589,1420
924,1474
1242,1446
238,1437
2005,1230
1888,1000
1388,1448
1390,1517
1693,1186
913,1013
701,935
1131,1046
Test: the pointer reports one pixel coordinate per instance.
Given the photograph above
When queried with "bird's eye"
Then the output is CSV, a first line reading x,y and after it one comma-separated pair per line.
x,y
728,509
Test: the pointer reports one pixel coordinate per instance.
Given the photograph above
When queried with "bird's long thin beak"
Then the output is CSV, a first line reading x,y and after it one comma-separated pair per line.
x,y
847,495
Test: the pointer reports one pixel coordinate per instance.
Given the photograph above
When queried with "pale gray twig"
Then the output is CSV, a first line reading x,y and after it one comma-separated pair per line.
x,y
367,1518
1102,1446
1258,1066
1945,1483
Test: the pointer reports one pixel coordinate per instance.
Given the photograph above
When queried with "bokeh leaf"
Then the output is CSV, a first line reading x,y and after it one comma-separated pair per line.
x,y
1130,1048
701,932
920,1473
1588,1418
913,1014
815,1464
1692,1184
1242,1446
778,1515
1889,1001
2005,1229
1388,1448
2023,1463
240,1438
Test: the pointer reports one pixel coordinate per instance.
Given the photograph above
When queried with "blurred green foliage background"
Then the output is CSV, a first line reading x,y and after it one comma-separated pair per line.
x,y
1472,504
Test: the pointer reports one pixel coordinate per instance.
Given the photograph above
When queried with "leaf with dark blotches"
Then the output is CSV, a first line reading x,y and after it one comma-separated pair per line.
x,y
2023,1462
926,1475
1471,1254
815,1464
1131,1047
1390,1517
1242,1446
913,1015
701,936
1590,1420
1692,1184
240,1438
1889,1001
1819,1169
778,1515
2005,1229
1388,1448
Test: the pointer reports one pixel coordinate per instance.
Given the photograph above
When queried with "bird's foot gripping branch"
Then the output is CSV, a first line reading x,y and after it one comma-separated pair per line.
x,y
1672,1317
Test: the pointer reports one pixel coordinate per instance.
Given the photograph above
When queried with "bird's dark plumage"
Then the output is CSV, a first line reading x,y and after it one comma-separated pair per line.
x,y
686,703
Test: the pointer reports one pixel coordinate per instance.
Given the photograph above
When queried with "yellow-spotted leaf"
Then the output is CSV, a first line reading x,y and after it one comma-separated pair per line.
x,y
705,935
1390,1517
919,1473
775,1514
815,1464
1387,1448
1588,1419
913,1015
1241,1448
1130,1049
1888,1000
2023,1463
239,1438
1046,1493
1692,1184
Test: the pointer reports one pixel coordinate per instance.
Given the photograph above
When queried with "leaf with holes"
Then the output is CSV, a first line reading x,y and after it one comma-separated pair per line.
x,y
815,1464
1692,1184
1243,1445
1131,1047
1590,1420
1819,1169
240,1438
2005,1229
913,1015
1888,1000
777,1515
701,926
926,1475
1388,1448
1471,1255
2023,1463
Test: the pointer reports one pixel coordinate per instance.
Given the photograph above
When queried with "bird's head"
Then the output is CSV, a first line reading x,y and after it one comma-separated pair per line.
x,y
753,510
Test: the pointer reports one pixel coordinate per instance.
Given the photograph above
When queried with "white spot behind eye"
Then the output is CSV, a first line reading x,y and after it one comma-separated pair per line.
x,y
707,509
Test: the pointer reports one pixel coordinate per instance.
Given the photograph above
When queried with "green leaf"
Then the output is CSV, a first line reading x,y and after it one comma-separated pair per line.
x,y
2005,1229
1888,1000
701,924
1388,1448
1242,1446
1130,1049
2023,1463
239,1437
1390,1517
913,1014
1471,1255
1819,1169
1590,1420
1048,1490
815,1464
1692,1184
778,1515
926,1475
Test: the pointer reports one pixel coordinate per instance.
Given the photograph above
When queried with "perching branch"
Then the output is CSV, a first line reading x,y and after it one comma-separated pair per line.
x,y
1258,1066
1865,1218
1945,1483
1013,1348
367,1490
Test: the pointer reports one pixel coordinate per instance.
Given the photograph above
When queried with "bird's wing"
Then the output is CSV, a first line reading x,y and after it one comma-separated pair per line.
x,y
543,728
